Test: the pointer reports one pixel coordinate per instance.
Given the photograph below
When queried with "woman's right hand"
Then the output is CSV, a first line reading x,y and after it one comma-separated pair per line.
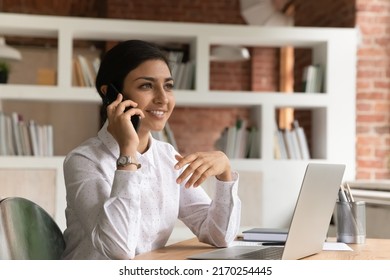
x,y
120,126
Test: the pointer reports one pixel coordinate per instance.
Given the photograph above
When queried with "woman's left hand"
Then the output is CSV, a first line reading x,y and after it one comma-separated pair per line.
x,y
202,165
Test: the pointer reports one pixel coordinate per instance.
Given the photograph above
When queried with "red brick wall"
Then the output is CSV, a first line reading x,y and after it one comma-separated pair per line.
x,y
373,74
216,11
325,13
373,89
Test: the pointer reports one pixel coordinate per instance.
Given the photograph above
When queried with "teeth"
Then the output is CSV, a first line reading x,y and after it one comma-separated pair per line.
x,y
158,113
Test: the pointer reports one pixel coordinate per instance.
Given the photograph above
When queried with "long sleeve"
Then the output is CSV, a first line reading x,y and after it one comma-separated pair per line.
x,y
110,217
215,222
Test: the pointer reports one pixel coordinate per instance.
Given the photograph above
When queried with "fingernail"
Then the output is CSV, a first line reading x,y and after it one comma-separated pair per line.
x,y
178,181
176,166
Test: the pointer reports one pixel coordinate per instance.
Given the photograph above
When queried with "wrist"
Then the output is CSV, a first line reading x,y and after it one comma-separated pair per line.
x,y
225,176
127,162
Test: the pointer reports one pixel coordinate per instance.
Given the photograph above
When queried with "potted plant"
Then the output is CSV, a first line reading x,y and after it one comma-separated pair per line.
x,y
4,70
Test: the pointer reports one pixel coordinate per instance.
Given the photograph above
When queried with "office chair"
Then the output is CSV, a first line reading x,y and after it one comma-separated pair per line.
x,y
27,231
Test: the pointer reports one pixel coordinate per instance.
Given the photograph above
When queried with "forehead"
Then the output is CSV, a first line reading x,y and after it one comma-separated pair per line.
x,y
153,67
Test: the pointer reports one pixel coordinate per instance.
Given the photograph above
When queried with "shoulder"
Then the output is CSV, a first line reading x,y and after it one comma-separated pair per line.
x,y
88,150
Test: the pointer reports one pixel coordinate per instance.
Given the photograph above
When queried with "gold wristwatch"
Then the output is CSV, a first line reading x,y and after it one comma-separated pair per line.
x,y
123,161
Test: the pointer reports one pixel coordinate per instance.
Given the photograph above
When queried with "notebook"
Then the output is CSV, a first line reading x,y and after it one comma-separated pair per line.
x,y
309,224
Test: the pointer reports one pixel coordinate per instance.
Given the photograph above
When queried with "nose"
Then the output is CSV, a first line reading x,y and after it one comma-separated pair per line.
x,y
160,96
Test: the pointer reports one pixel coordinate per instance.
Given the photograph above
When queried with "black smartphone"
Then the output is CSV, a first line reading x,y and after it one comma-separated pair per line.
x,y
111,95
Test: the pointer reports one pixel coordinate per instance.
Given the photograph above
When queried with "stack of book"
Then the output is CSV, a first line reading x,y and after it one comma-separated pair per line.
x,y
182,72
240,141
24,138
291,144
85,70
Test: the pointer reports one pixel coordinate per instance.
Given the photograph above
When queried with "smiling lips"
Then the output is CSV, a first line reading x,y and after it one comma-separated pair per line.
x,y
157,113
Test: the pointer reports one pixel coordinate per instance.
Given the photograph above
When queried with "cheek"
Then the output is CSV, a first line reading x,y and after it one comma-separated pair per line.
x,y
172,103
142,103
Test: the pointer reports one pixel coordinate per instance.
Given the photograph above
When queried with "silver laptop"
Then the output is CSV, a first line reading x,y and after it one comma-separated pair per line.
x,y
309,224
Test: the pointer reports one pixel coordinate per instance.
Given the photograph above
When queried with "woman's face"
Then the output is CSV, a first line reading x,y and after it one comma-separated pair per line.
x,y
150,85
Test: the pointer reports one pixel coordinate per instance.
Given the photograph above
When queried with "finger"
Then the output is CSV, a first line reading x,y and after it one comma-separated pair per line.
x,y
194,171
112,106
203,178
134,111
195,175
198,177
118,100
126,104
129,103
190,169
182,161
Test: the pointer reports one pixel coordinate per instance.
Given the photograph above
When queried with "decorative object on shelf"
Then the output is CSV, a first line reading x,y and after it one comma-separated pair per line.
x,y
267,12
4,70
6,53
229,53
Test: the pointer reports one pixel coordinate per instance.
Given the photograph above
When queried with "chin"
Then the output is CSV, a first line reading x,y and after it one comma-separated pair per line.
x,y
157,129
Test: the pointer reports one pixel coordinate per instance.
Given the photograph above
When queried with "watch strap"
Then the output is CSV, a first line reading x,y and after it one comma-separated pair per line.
x,y
127,160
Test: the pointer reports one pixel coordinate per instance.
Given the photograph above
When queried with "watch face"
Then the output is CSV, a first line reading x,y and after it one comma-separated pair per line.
x,y
122,160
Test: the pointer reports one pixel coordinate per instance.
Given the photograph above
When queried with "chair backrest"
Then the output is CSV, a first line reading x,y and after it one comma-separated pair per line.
x,y
28,232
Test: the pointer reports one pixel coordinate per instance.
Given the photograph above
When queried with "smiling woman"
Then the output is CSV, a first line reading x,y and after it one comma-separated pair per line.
x,y
125,190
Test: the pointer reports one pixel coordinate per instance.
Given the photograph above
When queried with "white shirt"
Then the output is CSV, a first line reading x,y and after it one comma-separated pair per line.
x,y
117,214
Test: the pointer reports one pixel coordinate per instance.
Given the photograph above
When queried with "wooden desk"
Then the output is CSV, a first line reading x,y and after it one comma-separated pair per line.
x,y
373,249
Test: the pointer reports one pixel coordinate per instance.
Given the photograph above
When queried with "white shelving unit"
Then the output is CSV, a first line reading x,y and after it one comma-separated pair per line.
x,y
333,112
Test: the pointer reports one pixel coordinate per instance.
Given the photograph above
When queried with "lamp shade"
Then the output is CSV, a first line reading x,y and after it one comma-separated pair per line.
x,y
229,53
8,52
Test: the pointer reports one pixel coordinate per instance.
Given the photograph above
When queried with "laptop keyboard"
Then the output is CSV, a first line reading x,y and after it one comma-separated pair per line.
x,y
269,253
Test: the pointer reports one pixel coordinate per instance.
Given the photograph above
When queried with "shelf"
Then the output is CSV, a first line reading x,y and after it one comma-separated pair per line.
x,y
183,97
16,162
332,121
226,98
48,93
117,29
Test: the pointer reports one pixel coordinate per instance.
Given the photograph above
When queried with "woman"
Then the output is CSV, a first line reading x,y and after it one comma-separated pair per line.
x,y
125,190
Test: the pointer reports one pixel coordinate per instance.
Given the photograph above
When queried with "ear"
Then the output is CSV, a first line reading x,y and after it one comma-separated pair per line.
x,y
103,89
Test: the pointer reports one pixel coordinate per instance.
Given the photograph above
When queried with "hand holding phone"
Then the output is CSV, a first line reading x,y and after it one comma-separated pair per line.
x,y
111,95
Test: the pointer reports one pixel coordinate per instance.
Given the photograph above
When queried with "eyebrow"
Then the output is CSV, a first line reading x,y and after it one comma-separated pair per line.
x,y
153,79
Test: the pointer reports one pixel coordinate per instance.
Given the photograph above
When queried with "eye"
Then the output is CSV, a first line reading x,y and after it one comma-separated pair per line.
x,y
169,86
146,86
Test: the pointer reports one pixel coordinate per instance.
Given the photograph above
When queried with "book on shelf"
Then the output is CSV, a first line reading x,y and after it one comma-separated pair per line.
x,y
24,138
312,79
301,140
17,140
85,70
291,146
3,138
182,68
265,234
291,143
239,140
253,148
280,151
